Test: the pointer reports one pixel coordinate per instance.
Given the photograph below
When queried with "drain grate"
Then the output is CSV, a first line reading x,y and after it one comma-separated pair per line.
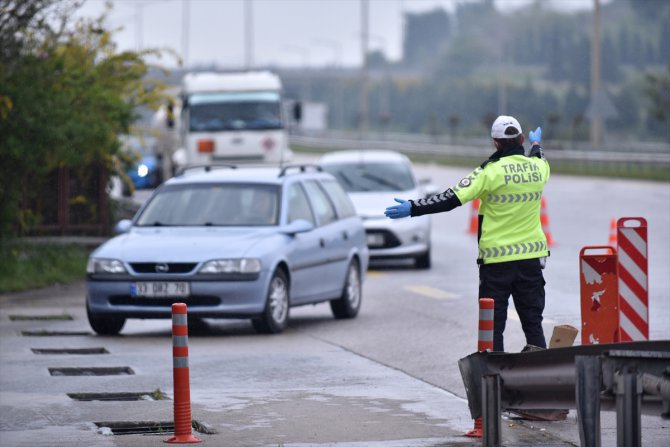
x,y
92,371
73,351
150,427
86,397
59,317
53,333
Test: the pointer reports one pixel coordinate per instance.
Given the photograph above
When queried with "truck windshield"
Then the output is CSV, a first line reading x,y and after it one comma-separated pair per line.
x,y
234,111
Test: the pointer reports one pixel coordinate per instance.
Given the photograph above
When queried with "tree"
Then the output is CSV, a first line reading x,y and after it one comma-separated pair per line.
x,y
425,35
657,89
67,97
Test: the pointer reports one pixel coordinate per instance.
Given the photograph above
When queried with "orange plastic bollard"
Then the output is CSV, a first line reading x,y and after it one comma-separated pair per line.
x,y
183,425
473,227
544,219
484,343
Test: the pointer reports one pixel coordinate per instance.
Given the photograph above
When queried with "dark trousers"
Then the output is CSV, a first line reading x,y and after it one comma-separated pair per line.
x,y
524,281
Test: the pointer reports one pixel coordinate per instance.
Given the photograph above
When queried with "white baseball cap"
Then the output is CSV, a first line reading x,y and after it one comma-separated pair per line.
x,y
502,123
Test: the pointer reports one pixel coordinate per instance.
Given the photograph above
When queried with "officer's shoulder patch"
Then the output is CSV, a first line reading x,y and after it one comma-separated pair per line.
x,y
464,183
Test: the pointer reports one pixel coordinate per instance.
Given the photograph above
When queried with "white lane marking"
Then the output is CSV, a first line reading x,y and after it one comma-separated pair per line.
x,y
431,292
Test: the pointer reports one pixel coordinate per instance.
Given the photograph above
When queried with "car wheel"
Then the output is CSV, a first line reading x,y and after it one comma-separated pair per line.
x,y
108,325
423,261
349,303
275,317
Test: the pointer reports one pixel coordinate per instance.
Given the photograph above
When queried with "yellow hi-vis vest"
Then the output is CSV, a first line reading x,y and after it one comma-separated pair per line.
x,y
510,194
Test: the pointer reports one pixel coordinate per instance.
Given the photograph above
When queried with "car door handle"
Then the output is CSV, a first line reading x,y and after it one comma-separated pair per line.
x,y
345,235
322,243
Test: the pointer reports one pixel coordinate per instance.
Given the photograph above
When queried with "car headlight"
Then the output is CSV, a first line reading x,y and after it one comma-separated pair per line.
x,y
142,170
244,265
100,265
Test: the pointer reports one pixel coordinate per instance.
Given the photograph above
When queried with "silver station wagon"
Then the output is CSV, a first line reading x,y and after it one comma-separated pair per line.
x,y
232,243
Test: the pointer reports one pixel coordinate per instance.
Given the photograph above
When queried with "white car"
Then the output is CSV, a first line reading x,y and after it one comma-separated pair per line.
x,y
373,178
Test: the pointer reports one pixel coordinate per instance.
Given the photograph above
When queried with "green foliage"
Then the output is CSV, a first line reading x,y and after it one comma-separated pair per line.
x,y
657,89
460,69
425,36
67,96
24,266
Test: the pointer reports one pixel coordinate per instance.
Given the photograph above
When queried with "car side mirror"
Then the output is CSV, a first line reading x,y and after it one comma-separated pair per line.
x,y
123,226
297,226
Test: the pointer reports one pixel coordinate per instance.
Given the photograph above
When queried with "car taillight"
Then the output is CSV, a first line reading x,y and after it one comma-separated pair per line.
x,y
206,146
268,143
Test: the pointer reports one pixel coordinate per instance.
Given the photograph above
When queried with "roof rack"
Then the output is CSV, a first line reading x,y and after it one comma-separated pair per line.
x,y
205,167
300,167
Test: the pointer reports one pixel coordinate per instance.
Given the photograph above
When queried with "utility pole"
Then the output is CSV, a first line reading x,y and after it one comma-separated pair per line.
x,y
363,112
185,30
596,116
248,34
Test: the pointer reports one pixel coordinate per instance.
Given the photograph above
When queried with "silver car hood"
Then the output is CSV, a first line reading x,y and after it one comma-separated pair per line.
x,y
180,244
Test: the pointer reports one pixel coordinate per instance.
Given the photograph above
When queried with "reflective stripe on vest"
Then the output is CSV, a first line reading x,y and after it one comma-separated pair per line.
x,y
514,249
511,198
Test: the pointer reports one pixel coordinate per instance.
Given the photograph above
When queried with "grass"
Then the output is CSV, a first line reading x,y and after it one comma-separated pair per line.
x,y
31,266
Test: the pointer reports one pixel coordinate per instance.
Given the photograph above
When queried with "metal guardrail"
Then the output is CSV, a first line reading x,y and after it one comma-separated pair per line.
x,y
629,377
640,154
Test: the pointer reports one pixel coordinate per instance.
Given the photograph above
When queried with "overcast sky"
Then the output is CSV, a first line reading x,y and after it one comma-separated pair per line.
x,y
286,33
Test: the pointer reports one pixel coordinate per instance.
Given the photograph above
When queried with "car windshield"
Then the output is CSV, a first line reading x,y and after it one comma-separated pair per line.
x,y
234,111
372,176
220,204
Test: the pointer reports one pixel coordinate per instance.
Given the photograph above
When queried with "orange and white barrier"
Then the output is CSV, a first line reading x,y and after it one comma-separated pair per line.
x,y
183,425
598,288
633,279
615,287
484,343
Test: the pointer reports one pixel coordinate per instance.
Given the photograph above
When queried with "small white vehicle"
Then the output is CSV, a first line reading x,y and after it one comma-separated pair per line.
x,y
230,117
373,178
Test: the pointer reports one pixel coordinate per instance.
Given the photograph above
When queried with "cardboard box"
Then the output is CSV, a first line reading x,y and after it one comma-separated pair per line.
x,y
564,335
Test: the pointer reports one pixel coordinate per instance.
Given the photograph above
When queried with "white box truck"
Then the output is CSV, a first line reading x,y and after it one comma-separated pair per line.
x,y
230,117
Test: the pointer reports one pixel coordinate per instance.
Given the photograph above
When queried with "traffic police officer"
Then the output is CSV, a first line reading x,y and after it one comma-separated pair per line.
x,y
512,245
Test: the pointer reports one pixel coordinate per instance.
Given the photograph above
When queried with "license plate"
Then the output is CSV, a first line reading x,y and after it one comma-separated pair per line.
x,y
375,240
160,289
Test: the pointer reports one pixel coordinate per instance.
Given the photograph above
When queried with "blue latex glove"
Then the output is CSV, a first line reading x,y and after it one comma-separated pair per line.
x,y
398,211
535,136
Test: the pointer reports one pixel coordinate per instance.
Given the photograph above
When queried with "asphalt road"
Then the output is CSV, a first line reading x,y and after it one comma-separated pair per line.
x,y
388,378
